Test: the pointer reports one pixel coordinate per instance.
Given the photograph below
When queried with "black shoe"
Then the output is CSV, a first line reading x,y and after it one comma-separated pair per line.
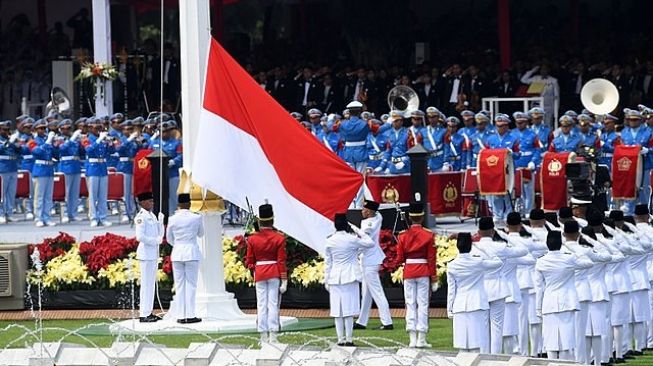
x,y
542,355
386,327
606,364
619,360
156,316
182,321
350,344
638,353
341,344
153,318
146,319
629,357
193,320
359,326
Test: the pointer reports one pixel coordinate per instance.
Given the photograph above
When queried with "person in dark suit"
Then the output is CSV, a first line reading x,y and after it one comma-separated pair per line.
x,y
356,90
453,87
427,92
171,75
279,87
328,95
475,86
305,87
647,84
505,86
571,83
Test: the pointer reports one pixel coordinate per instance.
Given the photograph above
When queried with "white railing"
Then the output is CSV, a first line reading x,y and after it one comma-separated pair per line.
x,y
492,104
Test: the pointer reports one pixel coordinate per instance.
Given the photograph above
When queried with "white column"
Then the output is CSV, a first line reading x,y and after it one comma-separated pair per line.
x,y
102,54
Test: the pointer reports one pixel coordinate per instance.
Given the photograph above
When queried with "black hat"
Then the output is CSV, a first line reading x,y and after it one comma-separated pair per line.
x,y
183,198
145,196
571,227
371,205
416,209
340,222
552,218
265,212
617,215
565,213
554,240
536,214
629,219
485,223
594,218
514,218
464,242
641,210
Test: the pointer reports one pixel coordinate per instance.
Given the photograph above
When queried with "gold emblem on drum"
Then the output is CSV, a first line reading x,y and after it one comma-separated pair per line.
x,y
390,194
554,167
624,164
143,163
450,193
492,160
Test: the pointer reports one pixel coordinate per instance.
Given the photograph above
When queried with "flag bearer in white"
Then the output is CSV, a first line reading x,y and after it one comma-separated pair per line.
x,y
149,233
266,256
497,286
466,298
342,274
371,260
184,228
556,300
642,219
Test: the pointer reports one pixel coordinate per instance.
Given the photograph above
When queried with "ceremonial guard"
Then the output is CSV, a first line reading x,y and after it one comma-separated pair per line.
x,y
149,233
479,139
342,275
27,162
416,248
497,286
636,134
397,161
371,260
9,155
455,148
173,148
69,164
416,130
556,300
377,145
317,128
43,173
114,134
503,139
468,128
608,140
184,229
588,137
467,301
434,141
543,132
529,159
353,132
98,149
127,149
266,256
566,141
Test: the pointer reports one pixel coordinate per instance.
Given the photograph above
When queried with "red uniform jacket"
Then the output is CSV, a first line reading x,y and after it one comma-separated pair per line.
x,y
417,243
267,246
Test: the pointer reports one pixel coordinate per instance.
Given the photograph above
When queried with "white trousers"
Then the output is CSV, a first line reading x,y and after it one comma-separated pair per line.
x,y
522,336
267,305
497,310
649,338
359,167
373,290
148,281
581,325
416,294
185,275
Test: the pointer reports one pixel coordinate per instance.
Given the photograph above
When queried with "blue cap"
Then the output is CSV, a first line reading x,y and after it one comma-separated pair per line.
x,y
22,117
535,111
314,112
609,117
467,113
40,123
138,121
584,118
520,115
119,116
126,123
571,113
632,114
501,119
481,117
65,122
296,115
6,123
28,121
80,121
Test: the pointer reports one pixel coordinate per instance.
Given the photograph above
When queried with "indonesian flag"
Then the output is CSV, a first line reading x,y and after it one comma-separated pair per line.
x,y
248,146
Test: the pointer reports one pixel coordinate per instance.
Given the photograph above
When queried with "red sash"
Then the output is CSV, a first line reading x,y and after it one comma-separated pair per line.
x,y
553,181
495,172
626,172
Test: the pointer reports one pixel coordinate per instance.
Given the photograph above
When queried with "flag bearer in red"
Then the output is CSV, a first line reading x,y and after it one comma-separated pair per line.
x,y
416,248
266,256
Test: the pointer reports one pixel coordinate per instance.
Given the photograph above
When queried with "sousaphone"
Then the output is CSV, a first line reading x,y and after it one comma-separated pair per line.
x,y
599,96
403,99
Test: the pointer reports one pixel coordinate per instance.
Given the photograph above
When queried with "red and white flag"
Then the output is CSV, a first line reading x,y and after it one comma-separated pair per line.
x,y
249,146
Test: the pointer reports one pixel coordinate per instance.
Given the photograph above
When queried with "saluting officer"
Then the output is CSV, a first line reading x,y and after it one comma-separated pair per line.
x,y
43,173
27,162
69,164
127,149
174,149
266,256
416,248
353,131
9,154
98,148
149,233
184,229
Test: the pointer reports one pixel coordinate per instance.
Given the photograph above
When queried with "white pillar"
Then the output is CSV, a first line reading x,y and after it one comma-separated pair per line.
x,y
102,54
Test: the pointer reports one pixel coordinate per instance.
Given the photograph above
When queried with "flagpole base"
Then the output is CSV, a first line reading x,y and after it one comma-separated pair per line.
x,y
216,306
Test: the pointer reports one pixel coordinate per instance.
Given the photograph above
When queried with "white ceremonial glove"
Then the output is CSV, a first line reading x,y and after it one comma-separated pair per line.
x,y
528,229
400,165
283,287
531,166
161,217
171,163
156,134
132,136
644,151
446,167
51,136
435,286
449,315
378,169
538,312
14,137
502,234
326,286
632,227
76,135
103,135
610,230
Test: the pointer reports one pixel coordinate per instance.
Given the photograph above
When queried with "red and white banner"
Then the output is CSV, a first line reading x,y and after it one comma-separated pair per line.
x,y
626,172
553,181
248,146
142,178
495,172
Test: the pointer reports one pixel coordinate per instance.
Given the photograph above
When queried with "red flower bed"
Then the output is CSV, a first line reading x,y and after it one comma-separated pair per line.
x,y
167,265
53,247
102,250
388,243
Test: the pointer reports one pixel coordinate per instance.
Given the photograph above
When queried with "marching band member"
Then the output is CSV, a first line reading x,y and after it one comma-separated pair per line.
x,y
455,146
397,161
266,256
468,128
69,164
353,131
416,248
479,140
636,134
149,233
27,162
371,260
608,140
43,173
377,144
543,132
497,286
566,141
9,155
434,140
467,301
127,149
530,157
342,275
184,229
98,148
174,149
503,139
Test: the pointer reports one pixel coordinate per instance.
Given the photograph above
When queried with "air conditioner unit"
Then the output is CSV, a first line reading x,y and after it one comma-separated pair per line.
x,y
13,273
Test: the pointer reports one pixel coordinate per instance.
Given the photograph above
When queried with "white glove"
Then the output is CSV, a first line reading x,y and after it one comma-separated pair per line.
x,y
502,234
538,312
51,135
610,230
132,136
435,286
103,135
400,165
156,134
528,229
171,163
446,167
76,135
632,227
161,217
326,286
644,151
283,287
377,169
14,137
531,166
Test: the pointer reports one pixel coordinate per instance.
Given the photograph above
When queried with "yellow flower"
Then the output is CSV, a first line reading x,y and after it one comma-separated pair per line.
x,y
66,269
309,274
121,272
234,269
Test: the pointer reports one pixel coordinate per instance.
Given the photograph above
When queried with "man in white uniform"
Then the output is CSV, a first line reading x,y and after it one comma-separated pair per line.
x,y
550,90
184,229
371,261
149,233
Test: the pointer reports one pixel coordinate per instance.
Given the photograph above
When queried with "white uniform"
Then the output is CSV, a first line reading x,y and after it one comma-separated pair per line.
x,y
497,286
371,260
184,228
149,233
557,301
550,93
467,301
640,302
535,322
